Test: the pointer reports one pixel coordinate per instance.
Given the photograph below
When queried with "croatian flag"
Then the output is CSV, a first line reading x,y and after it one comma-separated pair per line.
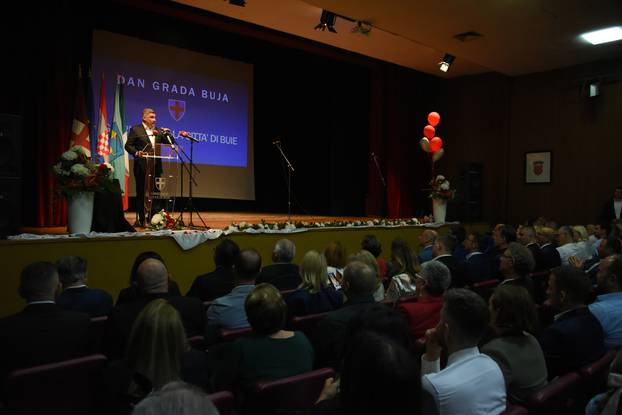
x,y
103,146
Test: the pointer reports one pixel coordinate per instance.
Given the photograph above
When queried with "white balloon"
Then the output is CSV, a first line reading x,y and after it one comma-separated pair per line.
x,y
425,144
438,154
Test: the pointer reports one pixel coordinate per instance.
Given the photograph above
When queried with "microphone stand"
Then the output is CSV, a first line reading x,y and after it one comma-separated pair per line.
x,y
290,170
384,183
190,204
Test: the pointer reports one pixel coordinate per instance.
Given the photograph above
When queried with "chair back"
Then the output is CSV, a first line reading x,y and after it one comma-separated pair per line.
x,y
97,329
227,335
556,398
285,293
63,388
485,288
295,393
306,324
223,401
197,342
595,374
515,410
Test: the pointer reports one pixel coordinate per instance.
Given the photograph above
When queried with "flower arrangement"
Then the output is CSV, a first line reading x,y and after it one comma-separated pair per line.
x,y
163,220
289,226
75,173
441,189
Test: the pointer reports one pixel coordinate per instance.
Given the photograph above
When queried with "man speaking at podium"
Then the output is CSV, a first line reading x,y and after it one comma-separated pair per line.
x,y
141,140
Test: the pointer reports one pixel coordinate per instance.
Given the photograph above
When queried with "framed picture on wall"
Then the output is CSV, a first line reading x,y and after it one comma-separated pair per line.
x,y
538,167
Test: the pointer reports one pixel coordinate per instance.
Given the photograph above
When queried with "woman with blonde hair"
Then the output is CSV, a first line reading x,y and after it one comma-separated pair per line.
x,y
157,353
315,294
368,258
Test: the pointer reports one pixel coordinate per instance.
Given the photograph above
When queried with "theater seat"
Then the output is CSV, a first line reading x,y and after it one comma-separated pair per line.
x,y
285,293
556,398
295,393
594,376
515,410
485,288
63,388
197,342
97,329
409,299
227,335
223,401
306,324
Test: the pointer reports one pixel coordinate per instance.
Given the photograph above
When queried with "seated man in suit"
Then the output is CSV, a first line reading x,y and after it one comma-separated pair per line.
x,y
219,282
549,256
576,337
42,332
359,284
502,236
526,236
426,242
443,247
477,265
282,273
228,311
152,277
608,305
76,295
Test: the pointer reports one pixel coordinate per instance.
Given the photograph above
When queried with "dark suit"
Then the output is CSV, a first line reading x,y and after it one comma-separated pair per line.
x,y
138,140
537,253
608,212
574,340
215,284
132,293
93,301
456,269
549,258
328,337
477,268
526,282
282,276
42,333
123,316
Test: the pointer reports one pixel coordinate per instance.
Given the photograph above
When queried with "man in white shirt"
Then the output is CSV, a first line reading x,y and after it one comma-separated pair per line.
x,y
567,247
471,383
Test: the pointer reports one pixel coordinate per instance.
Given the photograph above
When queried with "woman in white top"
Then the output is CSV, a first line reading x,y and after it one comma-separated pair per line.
x,y
406,266
336,260
584,245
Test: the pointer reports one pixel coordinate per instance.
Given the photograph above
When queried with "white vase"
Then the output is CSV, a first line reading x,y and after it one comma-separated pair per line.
x,y
80,212
439,210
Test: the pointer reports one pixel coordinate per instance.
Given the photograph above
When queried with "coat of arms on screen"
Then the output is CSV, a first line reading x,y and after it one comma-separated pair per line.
x,y
176,108
538,167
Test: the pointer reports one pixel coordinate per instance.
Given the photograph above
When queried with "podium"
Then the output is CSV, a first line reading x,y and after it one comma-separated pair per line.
x,y
161,178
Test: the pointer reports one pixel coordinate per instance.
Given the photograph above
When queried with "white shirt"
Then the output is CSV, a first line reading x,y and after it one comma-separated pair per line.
x,y
472,254
150,134
471,384
617,206
568,250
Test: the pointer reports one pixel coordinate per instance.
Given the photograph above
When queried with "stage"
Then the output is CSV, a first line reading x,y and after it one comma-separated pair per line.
x,y
110,256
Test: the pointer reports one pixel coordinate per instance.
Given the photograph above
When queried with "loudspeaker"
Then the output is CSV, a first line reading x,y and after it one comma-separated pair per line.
x,y
470,192
10,146
10,174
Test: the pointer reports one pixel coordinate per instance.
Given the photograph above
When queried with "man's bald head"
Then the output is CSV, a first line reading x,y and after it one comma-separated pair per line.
x,y
152,276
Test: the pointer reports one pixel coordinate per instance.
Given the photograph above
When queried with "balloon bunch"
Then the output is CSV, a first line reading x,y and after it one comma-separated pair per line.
x,y
430,143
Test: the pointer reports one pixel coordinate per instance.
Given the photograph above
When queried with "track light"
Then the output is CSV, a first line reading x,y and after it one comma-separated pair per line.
x,y
327,21
446,62
240,3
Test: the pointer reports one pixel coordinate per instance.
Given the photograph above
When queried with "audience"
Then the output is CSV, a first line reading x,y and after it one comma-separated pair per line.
x,y
42,332
526,236
516,265
76,295
549,255
157,353
315,294
176,398
477,265
576,337
585,249
460,233
502,236
608,304
426,242
219,282
372,245
443,247
567,247
367,258
608,246
425,313
405,266
152,278
336,260
514,348
471,383
281,273
359,282
271,352
132,292
228,311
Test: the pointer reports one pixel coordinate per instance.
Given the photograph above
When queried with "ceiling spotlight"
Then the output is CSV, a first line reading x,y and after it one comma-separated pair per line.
x,y
362,27
327,21
240,3
446,62
603,36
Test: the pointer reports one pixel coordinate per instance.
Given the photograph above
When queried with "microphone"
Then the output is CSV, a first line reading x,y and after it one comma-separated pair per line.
x,y
188,136
275,142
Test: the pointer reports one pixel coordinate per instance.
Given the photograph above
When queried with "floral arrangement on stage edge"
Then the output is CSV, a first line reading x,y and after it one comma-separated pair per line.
x,y
242,226
441,189
75,173
163,220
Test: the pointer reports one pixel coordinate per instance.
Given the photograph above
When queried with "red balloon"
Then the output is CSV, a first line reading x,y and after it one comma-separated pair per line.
x,y
434,118
429,131
436,144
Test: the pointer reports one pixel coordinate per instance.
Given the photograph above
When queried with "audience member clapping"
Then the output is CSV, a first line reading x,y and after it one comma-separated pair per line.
x,y
315,294
76,295
514,348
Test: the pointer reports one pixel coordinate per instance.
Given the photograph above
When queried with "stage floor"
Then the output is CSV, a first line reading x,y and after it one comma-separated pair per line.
x,y
214,220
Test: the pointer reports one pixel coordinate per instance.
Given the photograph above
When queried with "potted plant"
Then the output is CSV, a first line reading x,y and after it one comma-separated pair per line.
x,y
440,193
